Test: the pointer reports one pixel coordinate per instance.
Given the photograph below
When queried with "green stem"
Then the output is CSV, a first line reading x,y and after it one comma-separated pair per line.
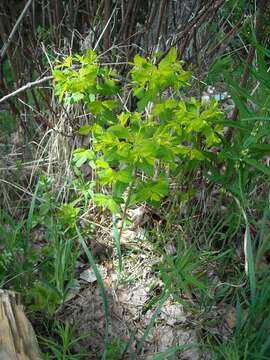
x,y
117,242
125,208
117,234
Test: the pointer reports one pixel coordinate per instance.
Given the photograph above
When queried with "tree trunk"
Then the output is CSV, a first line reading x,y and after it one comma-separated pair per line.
x,y
17,338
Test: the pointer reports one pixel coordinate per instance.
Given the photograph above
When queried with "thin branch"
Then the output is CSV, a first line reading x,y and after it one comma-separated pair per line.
x,y
228,36
26,87
7,43
105,27
196,21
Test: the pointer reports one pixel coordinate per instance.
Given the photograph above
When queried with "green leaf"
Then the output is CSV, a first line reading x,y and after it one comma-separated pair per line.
x,y
59,75
160,188
262,149
139,61
123,118
106,201
107,176
85,130
165,153
120,131
81,156
90,56
125,176
67,62
97,129
76,97
148,96
172,55
264,169
147,168
101,163
108,88
119,188
92,97
145,150
151,191
111,104
160,107
69,214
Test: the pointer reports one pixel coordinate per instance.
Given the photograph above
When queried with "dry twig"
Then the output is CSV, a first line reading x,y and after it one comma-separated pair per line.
x,y
26,87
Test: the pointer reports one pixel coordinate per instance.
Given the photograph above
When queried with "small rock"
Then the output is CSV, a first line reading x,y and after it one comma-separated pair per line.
x,y
89,275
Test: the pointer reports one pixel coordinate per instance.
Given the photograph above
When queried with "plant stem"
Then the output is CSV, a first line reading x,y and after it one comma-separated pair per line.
x,y
125,209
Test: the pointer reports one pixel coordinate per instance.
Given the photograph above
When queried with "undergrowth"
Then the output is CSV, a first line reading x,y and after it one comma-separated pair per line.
x,y
207,193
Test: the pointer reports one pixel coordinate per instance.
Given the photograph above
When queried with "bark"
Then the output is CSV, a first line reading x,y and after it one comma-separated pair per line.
x,y
17,337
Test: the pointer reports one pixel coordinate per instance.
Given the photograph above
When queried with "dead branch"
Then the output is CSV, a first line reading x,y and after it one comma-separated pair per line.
x,y
26,87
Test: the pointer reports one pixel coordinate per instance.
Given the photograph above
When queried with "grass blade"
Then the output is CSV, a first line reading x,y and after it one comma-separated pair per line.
x,y
250,260
258,166
30,216
173,351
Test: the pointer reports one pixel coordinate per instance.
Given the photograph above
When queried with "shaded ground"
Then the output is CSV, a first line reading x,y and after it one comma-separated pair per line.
x,y
133,298
129,318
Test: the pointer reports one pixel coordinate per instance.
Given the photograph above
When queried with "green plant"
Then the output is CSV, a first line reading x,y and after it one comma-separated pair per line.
x,y
135,152
183,273
17,258
63,349
245,153
250,339
45,267
115,349
246,150
57,277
